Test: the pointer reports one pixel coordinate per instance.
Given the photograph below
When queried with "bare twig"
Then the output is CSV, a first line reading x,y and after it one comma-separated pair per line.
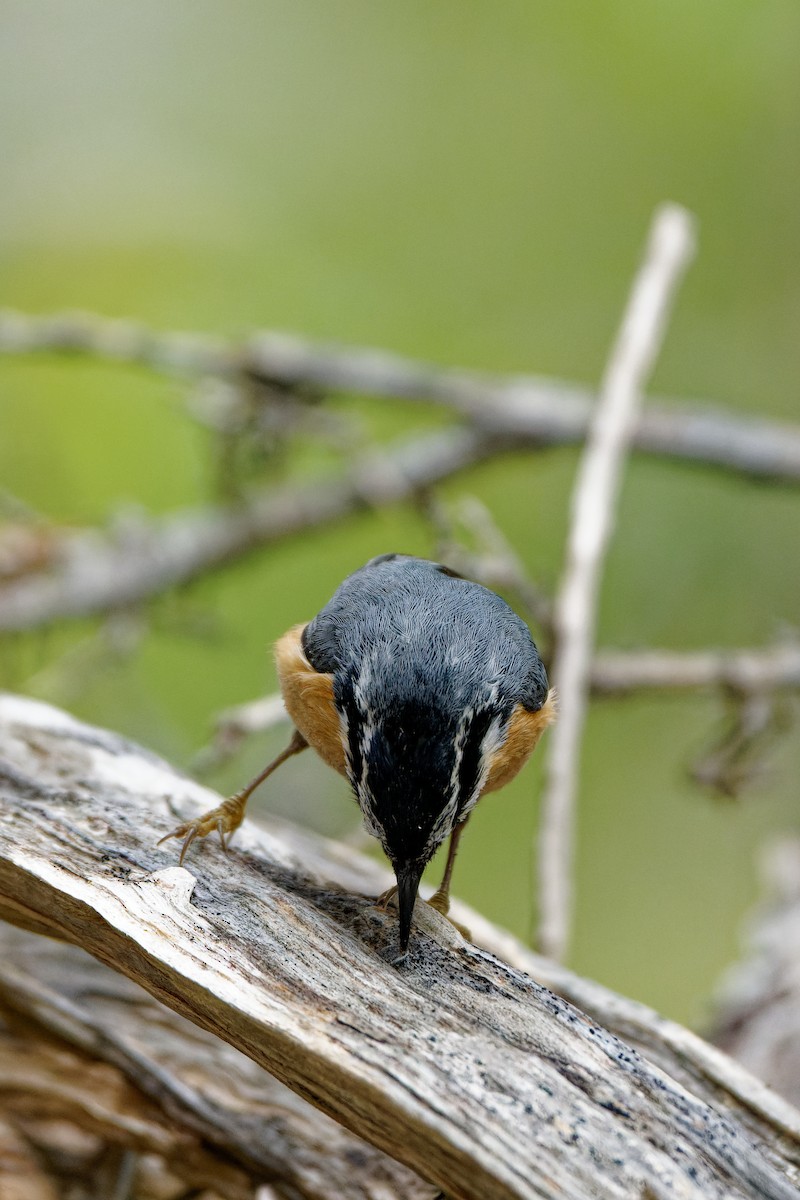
x,y
122,341
100,573
615,672
594,501
534,410
748,681
737,757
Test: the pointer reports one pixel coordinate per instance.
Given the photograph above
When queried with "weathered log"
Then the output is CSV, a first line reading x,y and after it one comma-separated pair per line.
x,y
455,1063
74,1109
210,1097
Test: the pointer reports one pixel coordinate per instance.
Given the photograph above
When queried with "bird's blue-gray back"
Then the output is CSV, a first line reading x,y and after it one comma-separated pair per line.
x,y
401,626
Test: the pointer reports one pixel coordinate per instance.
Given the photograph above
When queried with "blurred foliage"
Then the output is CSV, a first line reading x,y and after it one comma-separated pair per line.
x,y
465,183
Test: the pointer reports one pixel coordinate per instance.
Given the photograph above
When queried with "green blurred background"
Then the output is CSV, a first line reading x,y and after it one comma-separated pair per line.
x,y
469,183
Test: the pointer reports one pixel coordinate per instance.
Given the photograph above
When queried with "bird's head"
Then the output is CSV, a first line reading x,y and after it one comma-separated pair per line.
x,y
417,757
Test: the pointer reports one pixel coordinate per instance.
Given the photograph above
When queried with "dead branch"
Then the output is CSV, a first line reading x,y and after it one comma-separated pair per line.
x,y
493,561
530,410
102,572
458,1065
235,725
736,756
669,249
167,1088
56,575
92,1105
750,683
771,668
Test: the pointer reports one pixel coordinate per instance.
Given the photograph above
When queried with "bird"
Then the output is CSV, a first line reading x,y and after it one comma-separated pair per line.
x,y
424,690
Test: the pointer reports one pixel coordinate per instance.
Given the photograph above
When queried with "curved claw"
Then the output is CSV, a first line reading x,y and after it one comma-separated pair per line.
x,y
187,841
188,831
222,831
226,818
178,831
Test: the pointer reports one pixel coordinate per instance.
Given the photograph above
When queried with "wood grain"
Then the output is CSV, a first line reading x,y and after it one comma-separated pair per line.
x,y
455,1063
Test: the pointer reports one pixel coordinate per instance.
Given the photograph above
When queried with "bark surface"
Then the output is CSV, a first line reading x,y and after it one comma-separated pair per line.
x,y
457,1064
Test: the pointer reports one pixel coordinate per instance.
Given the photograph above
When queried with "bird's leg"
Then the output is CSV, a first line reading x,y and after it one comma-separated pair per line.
x,y
228,816
440,900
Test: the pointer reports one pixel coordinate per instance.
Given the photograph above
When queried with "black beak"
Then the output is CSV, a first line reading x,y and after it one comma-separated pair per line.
x,y
408,876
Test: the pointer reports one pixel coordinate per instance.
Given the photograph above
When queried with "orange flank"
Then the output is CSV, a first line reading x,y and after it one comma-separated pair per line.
x,y
524,730
308,696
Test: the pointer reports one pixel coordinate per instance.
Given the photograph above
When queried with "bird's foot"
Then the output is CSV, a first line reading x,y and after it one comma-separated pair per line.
x,y
225,818
387,899
440,901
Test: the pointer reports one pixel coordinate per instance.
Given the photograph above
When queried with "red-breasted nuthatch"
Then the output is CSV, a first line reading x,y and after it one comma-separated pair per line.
x,y
425,691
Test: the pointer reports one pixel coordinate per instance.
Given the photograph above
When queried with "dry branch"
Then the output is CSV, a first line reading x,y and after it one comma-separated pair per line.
x,y
493,562
234,725
669,249
753,670
71,1107
213,1117
99,573
53,575
459,1065
526,409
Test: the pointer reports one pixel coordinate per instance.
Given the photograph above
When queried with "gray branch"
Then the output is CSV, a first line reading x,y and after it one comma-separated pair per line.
x,y
99,572
526,409
613,673
458,1065
233,1110
772,668
669,248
